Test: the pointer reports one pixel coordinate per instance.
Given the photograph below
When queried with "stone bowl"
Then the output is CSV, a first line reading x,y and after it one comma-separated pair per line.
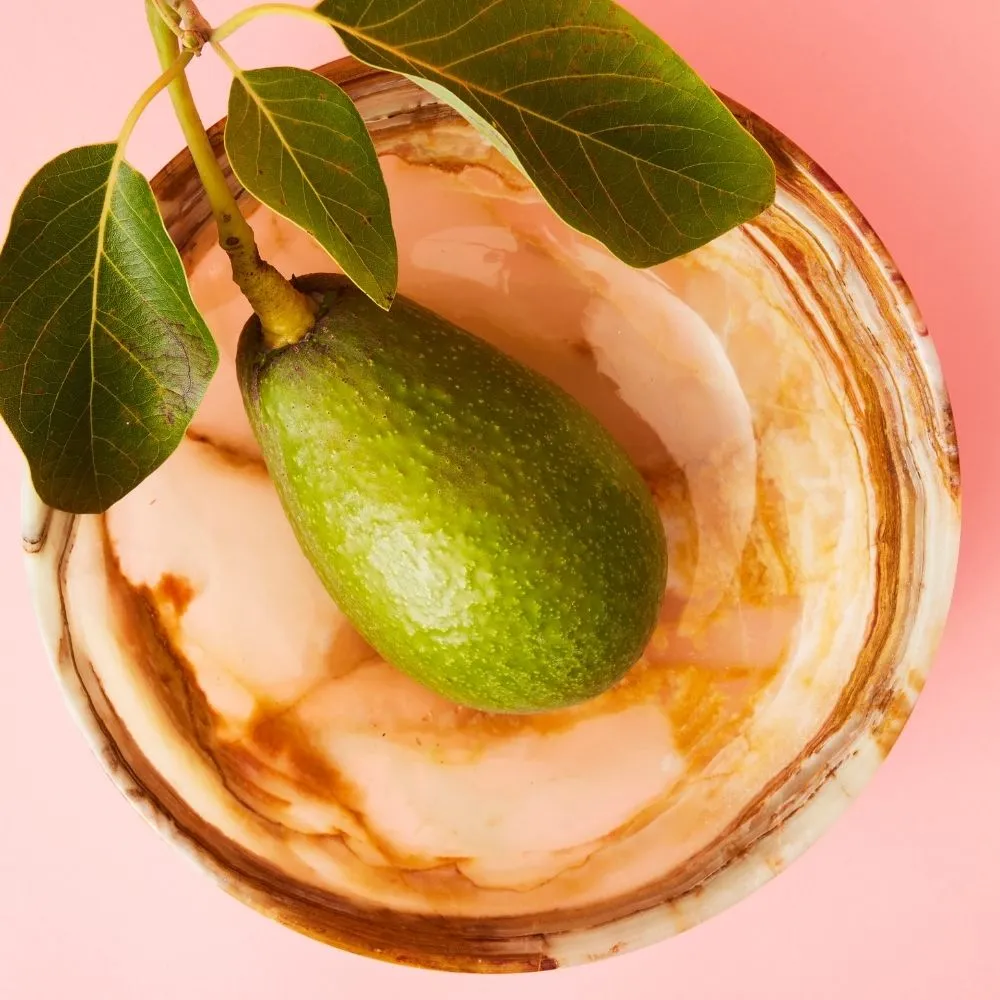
x,y
780,394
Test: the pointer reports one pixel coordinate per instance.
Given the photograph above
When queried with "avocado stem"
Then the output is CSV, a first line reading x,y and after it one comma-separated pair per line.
x,y
286,315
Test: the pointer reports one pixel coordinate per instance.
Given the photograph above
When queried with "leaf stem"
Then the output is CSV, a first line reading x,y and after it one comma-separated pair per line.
x,y
169,74
230,62
224,30
286,315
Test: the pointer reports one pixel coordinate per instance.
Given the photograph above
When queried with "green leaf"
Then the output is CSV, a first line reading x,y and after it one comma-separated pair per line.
x,y
297,143
103,355
619,135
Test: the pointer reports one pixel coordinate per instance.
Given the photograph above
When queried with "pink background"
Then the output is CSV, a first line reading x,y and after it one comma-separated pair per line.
x,y
896,98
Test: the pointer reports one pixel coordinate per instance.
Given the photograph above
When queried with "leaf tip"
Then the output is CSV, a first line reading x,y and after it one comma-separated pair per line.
x,y
382,296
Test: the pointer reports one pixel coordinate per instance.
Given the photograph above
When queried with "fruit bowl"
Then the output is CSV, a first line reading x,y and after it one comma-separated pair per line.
x,y
780,395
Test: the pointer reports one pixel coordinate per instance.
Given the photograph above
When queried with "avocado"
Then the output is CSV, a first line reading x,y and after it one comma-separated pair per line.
x,y
480,528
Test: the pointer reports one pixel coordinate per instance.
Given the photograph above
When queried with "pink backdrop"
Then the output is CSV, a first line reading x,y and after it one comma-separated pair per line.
x,y
896,98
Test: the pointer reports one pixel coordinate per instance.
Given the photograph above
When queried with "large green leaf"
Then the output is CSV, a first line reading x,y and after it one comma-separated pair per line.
x,y
297,143
620,136
103,355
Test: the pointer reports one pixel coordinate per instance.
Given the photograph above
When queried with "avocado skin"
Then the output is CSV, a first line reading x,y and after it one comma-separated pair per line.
x,y
482,531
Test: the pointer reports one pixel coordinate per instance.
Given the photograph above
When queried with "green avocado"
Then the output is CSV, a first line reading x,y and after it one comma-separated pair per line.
x,y
481,529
